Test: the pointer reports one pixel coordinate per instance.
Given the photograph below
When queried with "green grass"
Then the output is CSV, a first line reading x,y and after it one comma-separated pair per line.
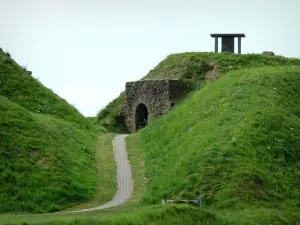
x,y
46,164
106,181
136,160
194,68
111,117
106,176
164,215
21,88
47,147
176,65
97,127
107,187
235,144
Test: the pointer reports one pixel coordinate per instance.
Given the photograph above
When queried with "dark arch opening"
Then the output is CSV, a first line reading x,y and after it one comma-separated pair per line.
x,y
141,116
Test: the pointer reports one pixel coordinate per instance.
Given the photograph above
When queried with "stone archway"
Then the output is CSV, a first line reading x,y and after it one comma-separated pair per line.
x,y
141,116
147,99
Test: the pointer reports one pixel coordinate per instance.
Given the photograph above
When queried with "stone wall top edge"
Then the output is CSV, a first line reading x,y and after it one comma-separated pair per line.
x,y
152,81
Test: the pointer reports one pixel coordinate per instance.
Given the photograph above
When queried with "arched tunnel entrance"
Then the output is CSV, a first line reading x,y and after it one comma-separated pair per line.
x,y
141,116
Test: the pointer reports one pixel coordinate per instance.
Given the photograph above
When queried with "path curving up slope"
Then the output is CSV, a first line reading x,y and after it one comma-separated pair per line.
x,y
124,178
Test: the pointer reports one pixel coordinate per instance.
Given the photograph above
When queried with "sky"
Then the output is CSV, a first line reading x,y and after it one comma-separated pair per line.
x,y
86,50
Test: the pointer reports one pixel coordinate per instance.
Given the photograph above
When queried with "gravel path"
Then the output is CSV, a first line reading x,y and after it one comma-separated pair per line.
x,y
125,186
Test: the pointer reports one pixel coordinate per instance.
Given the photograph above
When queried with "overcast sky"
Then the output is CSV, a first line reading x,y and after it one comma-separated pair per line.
x,y
85,50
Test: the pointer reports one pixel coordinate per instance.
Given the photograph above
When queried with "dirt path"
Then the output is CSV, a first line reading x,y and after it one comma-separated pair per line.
x,y
125,185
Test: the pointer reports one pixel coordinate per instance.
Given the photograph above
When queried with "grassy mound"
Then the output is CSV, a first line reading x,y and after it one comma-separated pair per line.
x,y
46,164
20,87
194,68
235,144
46,148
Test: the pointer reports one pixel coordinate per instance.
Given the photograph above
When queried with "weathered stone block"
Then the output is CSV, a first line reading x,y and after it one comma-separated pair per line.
x,y
147,99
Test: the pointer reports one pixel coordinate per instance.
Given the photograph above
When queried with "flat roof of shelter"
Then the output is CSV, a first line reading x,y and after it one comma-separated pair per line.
x,y
227,35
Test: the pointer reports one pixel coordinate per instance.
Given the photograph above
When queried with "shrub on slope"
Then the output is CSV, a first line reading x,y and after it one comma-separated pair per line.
x,y
193,68
20,87
234,143
111,117
46,164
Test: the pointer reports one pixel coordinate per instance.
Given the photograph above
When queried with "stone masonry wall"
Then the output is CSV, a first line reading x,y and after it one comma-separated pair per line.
x,y
157,95
176,89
